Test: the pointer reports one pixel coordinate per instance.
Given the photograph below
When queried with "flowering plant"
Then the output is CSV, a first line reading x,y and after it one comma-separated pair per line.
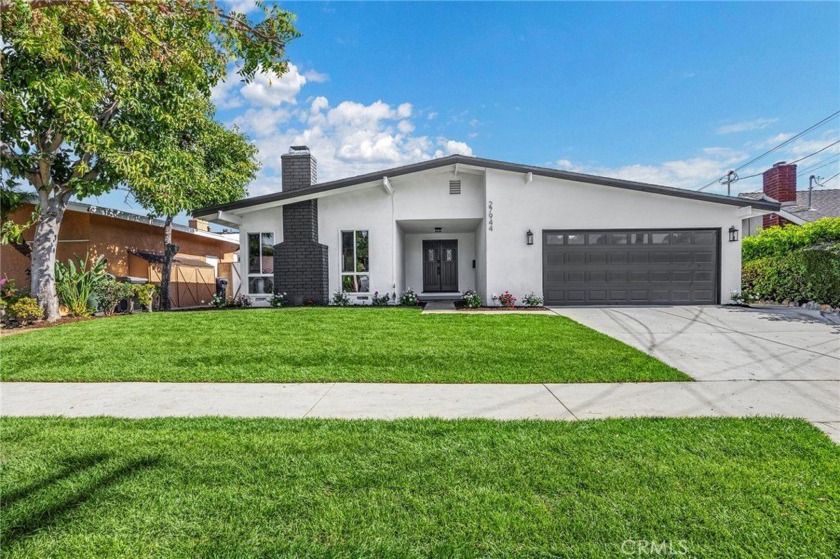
x,y
340,299
532,300
219,301
472,299
408,298
277,300
507,300
378,301
240,301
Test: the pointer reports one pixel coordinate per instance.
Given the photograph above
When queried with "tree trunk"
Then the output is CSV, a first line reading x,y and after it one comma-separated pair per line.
x,y
169,252
42,270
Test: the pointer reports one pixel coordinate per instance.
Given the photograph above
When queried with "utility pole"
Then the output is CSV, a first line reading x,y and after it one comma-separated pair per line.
x,y
813,180
730,177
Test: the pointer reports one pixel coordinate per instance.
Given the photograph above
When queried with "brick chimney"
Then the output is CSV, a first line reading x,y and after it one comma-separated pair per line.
x,y
299,168
199,224
301,264
779,184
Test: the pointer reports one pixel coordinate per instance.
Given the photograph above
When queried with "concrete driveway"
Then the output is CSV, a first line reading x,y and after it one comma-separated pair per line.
x,y
713,343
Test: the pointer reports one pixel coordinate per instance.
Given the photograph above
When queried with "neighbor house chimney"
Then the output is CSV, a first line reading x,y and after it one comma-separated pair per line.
x,y
199,224
779,184
299,168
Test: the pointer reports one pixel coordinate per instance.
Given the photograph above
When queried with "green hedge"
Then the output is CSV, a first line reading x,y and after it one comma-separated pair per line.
x,y
779,241
803,275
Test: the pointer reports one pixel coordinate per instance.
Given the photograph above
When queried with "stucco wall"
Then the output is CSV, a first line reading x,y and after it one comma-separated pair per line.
x,y
503,260
558,204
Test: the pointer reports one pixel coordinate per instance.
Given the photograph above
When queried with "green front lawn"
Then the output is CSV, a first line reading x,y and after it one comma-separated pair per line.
x,y
211,487
326,345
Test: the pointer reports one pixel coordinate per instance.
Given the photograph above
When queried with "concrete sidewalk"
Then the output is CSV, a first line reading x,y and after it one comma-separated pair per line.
x,y
815,401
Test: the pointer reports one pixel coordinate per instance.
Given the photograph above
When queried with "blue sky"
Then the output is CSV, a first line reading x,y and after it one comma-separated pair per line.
x,y
674,93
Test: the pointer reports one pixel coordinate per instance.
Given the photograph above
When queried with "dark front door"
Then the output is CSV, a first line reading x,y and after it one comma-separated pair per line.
x,y
440,266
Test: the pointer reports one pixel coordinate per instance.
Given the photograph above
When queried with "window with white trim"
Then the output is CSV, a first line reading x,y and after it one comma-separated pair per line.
x,y
355,262
260,263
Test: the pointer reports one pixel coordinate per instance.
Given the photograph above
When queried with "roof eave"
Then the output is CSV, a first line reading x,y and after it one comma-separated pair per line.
x,y
488,164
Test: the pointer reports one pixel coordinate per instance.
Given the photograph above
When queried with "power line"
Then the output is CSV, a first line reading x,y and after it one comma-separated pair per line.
x,y
771,150
818,165
829,178
816,152
804,171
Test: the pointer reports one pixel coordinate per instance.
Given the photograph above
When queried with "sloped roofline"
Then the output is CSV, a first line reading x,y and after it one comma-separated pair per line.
x,y
489,164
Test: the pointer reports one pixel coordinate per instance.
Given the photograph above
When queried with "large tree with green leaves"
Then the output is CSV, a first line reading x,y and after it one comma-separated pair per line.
x,y
102,93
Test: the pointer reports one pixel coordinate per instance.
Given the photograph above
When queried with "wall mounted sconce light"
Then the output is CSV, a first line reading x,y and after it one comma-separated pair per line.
x,y
733,234
529,237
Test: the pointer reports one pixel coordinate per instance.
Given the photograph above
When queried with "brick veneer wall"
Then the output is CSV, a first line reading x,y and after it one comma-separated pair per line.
x,y
301,264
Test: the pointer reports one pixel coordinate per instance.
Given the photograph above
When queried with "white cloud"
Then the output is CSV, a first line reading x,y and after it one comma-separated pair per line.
x,y
315,76
714,162
267,89
432,115
347,138
241,6
681,173
746,126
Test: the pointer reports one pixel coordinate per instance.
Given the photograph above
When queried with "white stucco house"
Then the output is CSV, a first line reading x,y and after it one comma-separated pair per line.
x,y
459,223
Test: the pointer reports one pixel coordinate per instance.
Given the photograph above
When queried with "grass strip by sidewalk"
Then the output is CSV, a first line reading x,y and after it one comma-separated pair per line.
x,y
327,345
211,487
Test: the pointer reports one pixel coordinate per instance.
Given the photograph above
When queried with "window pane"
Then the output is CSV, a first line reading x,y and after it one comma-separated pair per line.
x,y
347,251
704,238
554,239
659,238
362,284
638,238
347,283
596,239
681,238
254,253
258,285
618,239
267,253
575,239
362,251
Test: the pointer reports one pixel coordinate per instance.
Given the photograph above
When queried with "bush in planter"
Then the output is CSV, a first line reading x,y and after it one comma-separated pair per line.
x,y
472,299
409,298
277,300
26,309
110,292
340,299
380,301
507,300
532,300
145,293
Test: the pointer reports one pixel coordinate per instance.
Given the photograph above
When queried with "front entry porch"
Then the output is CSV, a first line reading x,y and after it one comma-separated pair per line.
x,y
439,257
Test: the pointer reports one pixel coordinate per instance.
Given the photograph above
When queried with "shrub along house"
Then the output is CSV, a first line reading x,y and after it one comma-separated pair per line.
x,y
461,223
133,245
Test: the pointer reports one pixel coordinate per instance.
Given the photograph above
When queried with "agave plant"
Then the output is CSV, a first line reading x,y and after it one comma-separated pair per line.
x,y
76,282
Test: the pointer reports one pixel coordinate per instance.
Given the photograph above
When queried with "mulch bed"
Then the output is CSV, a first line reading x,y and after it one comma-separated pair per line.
x,y
18,329
503,309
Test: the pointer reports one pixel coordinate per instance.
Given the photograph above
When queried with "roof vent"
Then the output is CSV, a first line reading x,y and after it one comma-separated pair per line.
x,y
455,187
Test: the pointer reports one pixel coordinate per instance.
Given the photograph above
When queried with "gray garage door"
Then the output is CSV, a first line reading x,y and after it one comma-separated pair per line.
x,y
623,267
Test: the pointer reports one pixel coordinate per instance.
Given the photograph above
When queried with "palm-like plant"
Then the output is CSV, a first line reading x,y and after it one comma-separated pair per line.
x,y
76,282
